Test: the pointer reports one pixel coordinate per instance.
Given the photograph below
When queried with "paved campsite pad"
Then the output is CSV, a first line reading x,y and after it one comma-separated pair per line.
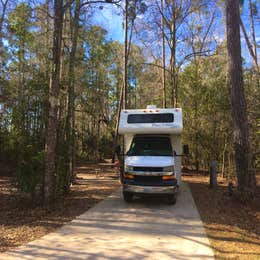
x,y
148,228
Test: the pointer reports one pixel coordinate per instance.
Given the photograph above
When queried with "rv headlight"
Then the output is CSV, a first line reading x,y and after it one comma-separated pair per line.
x,y
168,169
129,168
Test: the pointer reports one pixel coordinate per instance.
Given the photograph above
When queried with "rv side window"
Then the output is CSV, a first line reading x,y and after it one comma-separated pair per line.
x,y
150,118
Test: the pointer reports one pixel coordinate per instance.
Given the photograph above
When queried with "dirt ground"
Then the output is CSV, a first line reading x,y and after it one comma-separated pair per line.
x,y
232,227
20,222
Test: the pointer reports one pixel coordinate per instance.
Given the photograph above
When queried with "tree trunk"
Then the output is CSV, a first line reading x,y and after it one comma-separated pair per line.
x,y
238,101
223,159
117,124
71,89
197,162
51,135
125,55
2,17
173,55
163,57
47,38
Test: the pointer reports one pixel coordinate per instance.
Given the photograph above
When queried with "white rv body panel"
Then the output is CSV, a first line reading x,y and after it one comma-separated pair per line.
x,y
174,127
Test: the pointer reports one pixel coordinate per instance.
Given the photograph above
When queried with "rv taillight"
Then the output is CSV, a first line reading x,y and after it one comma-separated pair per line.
x,y
144,111
156,110
151,111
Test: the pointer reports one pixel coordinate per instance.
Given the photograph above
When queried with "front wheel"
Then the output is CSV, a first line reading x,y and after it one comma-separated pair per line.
x,y
128,197
172,198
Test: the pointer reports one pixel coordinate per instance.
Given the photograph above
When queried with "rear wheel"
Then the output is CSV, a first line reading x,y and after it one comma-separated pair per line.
x,y
128,197
172,198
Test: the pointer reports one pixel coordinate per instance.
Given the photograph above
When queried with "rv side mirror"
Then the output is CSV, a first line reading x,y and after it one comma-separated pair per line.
x,y
186,149
117,149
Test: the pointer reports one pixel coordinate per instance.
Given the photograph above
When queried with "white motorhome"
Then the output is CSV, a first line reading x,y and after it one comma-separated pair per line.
x,y
152,149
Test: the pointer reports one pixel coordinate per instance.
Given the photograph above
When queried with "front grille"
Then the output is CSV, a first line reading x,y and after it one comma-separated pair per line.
x,y
148,169
148,179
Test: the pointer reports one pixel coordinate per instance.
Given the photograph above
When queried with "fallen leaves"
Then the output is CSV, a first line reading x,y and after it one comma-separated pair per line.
x,y
232,227
20,222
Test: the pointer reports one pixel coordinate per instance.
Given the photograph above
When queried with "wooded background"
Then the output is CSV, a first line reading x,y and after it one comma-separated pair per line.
x,y
62,80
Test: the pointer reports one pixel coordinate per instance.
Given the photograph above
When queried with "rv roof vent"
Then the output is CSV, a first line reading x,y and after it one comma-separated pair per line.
x,y
151,107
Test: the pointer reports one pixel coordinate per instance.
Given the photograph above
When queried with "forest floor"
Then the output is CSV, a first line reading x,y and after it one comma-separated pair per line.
x,y
233,227
21,222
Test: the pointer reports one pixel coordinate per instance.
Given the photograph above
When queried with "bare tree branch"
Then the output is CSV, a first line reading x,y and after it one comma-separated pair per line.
x,y
249,46
101,2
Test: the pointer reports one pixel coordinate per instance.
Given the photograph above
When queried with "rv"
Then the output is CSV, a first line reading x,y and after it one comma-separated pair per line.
x,y
152,151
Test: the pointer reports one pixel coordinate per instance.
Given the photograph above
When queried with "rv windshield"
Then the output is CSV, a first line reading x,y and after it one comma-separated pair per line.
x,y
150,146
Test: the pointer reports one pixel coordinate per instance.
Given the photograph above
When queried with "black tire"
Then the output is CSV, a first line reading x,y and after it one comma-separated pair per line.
x,y
172,198
128,197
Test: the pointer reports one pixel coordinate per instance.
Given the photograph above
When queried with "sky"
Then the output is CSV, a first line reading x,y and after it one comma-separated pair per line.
x,y
110,18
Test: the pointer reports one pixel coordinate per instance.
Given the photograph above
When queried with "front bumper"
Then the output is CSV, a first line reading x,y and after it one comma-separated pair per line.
x,y
150,189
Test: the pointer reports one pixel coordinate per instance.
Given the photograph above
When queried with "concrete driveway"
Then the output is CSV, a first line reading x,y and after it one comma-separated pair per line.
x,y
148,228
